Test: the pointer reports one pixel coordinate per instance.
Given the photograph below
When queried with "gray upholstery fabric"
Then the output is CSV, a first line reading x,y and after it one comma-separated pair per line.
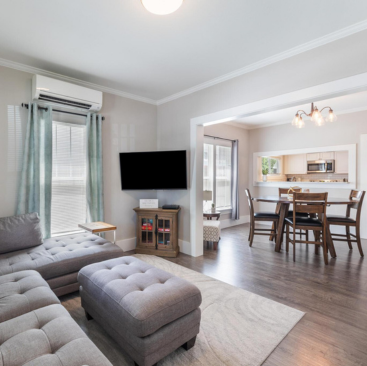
x,y
47,337
148,350
23,292
20,232
143,297
60,255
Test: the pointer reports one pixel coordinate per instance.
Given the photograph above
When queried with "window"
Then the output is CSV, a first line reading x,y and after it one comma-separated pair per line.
x,y
217,173
271,164
69,204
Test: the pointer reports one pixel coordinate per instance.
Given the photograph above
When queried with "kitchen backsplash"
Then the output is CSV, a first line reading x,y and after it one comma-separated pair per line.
x,y
319,176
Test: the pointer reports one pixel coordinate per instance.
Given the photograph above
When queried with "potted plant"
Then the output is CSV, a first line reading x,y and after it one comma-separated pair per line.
x,y
213,208
265,172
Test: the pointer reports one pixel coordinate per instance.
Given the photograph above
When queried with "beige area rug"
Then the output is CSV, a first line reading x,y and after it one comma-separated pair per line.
x,y
237,326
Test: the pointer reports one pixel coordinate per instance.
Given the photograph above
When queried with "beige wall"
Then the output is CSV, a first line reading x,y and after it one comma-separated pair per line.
x,y
235,133
336,60
129,126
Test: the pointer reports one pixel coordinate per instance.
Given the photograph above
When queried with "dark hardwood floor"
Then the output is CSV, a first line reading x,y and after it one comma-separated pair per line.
x,y
334,297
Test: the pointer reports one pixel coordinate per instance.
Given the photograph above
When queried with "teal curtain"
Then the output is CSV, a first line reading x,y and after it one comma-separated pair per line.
x,y
36,177
94,168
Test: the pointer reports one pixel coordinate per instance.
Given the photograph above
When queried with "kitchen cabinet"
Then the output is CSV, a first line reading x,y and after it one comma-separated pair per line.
x,y
295,164
341,162
329,155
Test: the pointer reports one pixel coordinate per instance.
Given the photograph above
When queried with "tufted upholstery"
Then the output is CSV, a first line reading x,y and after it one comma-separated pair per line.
x,y
23,292
142,297
59,256
47,337
211,230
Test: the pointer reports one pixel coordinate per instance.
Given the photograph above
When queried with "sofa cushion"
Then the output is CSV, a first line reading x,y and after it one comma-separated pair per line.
x,y
47,337
23,292
20,232
60,255
142,297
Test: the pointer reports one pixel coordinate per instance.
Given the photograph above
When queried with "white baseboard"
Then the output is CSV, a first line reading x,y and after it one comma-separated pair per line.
x,y
127,244
229,222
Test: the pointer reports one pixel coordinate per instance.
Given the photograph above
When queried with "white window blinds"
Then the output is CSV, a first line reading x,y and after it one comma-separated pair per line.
x,y
68,206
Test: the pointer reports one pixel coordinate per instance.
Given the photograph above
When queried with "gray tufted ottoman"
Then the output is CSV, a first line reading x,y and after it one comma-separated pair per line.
x,y
147,311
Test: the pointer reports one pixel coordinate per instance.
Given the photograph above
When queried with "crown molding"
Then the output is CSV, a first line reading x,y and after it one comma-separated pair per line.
x,y
331,37
35,70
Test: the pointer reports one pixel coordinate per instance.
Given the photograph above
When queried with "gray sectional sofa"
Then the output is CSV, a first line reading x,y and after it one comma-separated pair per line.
x,y
57,259
35,329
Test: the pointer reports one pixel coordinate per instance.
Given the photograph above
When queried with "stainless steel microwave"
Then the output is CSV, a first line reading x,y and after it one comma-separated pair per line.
x,y
321,166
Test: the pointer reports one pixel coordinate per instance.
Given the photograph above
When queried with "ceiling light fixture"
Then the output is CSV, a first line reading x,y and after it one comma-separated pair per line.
x,y
315,116
162,7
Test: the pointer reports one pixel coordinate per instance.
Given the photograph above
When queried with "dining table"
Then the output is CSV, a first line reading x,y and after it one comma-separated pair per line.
x,y
284,203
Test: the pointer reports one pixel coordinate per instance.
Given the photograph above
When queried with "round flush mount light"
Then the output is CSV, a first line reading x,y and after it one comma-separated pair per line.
x,y
162,7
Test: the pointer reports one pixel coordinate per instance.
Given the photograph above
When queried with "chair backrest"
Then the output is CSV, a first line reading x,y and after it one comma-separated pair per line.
x,y
357,197
311,203
284,191
250,203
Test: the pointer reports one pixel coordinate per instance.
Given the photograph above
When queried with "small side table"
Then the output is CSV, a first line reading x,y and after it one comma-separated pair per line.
x,y
99,227
210,215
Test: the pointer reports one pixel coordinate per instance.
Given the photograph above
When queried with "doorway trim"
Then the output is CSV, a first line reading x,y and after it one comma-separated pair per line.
x,y
333,89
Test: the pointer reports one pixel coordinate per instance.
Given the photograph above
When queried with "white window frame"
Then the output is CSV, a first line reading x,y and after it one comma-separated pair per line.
x,y
70,124
215,143
280,158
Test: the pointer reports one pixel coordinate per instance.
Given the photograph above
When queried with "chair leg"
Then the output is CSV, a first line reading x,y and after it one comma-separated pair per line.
x,y
215,245
324,246
252,236
287,239
307,235
347,231
272,236
294,244
249,234
359,241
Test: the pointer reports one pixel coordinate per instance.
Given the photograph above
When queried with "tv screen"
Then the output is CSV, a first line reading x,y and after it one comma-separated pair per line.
x,y
153,170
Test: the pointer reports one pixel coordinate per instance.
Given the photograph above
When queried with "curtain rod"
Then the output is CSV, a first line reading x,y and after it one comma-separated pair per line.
x,y
219,138
58,110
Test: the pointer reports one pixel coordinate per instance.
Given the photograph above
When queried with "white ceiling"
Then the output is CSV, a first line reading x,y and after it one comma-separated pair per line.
x,y
341,105
118,44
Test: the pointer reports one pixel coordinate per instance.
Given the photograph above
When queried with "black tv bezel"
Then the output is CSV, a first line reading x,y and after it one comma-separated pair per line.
x,y
154,189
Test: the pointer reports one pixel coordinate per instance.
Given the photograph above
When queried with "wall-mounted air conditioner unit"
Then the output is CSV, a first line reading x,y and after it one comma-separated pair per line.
x,y
64,94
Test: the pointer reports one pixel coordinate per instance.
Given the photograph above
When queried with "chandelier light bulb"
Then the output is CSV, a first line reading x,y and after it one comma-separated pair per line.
x,y
315,115
332,117
295,120
301,123
320,121
162,7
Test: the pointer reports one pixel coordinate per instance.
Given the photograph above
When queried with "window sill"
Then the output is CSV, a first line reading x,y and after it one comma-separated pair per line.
x,y
225,210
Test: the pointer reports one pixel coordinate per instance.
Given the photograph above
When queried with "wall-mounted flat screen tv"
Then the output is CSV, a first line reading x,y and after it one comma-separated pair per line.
x,y
153,170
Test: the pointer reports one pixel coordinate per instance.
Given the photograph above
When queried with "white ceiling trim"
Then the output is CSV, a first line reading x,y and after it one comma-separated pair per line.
x,y
342,33
35,70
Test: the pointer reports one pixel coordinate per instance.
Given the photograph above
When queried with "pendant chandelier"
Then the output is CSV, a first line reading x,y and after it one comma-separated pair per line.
x,y
315,116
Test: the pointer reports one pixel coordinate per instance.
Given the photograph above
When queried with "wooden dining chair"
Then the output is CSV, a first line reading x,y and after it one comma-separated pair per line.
x,y
284,192
314,204
347,221
260,217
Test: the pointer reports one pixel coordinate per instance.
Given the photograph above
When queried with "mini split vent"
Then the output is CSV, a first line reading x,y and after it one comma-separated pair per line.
x,y
65,94
64,101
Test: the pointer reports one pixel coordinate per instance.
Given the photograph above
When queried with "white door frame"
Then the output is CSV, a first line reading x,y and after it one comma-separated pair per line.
x,y
350,85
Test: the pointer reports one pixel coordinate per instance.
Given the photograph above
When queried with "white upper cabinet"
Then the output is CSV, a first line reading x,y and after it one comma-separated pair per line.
x,y
313,156
327,155
295,164
341,162
330,155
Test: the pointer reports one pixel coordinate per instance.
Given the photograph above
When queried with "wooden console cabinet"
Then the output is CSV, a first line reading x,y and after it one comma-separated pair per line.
x,y
157,232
